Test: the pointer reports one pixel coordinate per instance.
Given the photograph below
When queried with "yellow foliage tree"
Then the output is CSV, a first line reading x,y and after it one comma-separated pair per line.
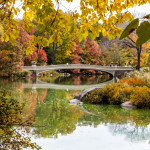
x,y
96,16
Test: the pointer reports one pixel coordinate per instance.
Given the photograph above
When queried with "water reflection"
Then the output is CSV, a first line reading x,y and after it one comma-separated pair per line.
x,y
52,116
70,83
77,79
56,115
134,124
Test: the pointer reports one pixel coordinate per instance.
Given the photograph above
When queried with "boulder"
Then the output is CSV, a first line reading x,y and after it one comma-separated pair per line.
x,y
77,96
82,94
127,104
75,101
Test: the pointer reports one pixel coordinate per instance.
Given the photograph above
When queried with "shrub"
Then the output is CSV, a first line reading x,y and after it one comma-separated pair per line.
x,y
141,97
24,73
51,73
144,74
94,97
146,69
133,89
114,94
134,81
132,74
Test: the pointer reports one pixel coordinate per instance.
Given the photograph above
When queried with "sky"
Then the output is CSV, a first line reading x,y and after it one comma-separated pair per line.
x,y
137,11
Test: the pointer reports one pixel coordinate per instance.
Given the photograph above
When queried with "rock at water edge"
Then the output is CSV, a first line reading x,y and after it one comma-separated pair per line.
x,y
75,101
127,104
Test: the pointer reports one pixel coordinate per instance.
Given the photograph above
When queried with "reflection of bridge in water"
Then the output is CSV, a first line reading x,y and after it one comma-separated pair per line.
x,y
39,69
40,84
111,70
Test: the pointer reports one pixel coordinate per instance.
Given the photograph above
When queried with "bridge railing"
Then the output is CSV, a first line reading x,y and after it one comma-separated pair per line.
x,y
73,66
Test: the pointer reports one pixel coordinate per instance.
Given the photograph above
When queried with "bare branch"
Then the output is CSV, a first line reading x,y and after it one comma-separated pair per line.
x,y
131,40
56,14
97,5
126,42
129,43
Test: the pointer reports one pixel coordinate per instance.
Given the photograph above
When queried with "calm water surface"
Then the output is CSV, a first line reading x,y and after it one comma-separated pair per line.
x,y
78,79
58,125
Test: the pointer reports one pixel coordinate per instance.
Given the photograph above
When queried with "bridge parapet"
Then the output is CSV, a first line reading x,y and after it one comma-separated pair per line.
x,y
108,69
77,66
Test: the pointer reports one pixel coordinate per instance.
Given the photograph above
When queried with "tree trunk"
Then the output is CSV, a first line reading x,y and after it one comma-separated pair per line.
x,y
53,53
139,55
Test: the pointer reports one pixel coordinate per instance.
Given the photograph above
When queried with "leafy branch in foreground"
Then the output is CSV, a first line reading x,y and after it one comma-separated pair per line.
x,y
142,31
12,131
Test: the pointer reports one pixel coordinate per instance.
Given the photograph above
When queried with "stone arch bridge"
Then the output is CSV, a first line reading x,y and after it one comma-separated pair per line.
x,y
108,69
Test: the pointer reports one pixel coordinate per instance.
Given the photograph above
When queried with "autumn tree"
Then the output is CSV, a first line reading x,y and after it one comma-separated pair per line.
x,y
42,57
91,52
116,52
13,55
76,52
39,56
141,52
54,23
75,57
63,43
5,62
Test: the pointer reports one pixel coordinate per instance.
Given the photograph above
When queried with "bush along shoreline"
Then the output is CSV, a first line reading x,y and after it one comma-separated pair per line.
x,y
134,88
18,74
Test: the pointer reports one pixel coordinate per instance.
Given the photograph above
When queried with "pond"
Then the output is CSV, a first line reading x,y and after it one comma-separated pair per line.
x,y
78,79
57,125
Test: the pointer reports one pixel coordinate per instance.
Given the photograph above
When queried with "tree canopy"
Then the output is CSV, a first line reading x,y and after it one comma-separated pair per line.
x,y
96,16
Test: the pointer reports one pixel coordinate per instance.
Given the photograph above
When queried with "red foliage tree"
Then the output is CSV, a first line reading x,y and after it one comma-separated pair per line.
x,y
5,62
85,52
42,57
13,55
75,55
92,53
39,56
31,57
76,52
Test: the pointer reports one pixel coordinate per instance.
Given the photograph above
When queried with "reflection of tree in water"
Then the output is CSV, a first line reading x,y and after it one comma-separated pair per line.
x,y
131,132
32,98
83,79
134,124
12,124
56,115
78,79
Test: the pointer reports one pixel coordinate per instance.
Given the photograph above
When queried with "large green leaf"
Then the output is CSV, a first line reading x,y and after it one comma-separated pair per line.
x,y
130,28
143,33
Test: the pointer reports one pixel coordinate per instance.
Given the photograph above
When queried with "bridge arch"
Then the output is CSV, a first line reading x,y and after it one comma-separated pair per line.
x,y
108,69
109,72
